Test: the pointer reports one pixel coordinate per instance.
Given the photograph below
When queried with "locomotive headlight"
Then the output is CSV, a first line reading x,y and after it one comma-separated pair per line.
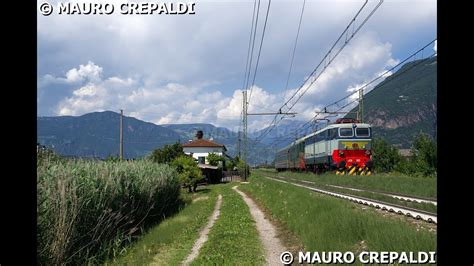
x,y
341,153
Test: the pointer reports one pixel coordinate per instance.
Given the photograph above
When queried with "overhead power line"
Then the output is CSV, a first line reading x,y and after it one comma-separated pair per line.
x,y
259,50
325,62
244,86
294,50
392,77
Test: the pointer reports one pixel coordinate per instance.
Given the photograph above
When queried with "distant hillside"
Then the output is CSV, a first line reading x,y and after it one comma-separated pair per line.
x,y
404,103
97,135
399,107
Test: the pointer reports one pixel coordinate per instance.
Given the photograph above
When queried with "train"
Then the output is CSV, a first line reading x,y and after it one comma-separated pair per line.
x,y
343,147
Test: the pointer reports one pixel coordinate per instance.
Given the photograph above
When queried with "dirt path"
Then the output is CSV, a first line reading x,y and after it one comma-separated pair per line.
x,y
204,232
267,232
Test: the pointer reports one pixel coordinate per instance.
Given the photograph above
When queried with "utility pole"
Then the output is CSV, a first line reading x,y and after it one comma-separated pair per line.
x,y
238,143
244,122
121,134
360,114
244,118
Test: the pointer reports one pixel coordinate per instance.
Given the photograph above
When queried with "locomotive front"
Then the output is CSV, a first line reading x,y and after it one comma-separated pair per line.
x,y
353,154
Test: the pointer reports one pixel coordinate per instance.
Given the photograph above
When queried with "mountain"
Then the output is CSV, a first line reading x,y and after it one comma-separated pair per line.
x,y
98,134
398,108
404,104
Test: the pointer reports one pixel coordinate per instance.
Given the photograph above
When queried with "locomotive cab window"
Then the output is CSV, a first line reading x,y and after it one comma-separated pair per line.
x,y
362,132
332,133
345,132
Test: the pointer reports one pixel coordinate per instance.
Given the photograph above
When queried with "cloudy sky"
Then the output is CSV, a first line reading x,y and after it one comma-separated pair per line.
x,y
190,68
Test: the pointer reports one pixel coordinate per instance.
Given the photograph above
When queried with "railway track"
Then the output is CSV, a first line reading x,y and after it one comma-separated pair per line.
x,y
408,198
393,195
410,212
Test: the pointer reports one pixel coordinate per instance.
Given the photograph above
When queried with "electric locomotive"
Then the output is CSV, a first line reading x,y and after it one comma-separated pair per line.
x,y
344,146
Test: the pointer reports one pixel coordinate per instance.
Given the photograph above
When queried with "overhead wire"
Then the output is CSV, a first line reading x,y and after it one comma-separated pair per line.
x,y
329,59
259,52
294,50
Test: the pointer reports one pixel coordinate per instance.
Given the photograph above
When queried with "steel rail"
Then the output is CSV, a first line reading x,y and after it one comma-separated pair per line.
x,y
393,195
410,212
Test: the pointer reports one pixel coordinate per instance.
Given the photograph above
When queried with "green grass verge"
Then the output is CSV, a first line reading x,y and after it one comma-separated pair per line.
x,y
324,223
233,239
171,241
415,186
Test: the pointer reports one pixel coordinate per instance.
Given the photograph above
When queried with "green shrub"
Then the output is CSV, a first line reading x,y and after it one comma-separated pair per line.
x,y
214,159
425,155
385,157
241,167
87,210
168,153
188,171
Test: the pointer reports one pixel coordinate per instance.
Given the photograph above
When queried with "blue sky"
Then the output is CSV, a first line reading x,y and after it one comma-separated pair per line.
x,y
190,68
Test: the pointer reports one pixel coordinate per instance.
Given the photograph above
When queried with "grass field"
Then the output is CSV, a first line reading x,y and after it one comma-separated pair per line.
x,y
232,240
324,223
415,186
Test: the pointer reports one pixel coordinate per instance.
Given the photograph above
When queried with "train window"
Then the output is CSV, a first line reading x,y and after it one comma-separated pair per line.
x,y
332,133
362,132
321,136
345,132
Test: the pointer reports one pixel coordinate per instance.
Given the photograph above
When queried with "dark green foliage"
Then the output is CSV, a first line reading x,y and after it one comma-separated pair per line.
x,y
111,158
385,157
423,162
214,159
425,155
188,171
229,164
167,154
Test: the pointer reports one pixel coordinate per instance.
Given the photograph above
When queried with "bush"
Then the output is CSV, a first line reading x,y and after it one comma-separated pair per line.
x,y
188,171
424,160
214,159
241,167
87,210
385,157
168,153
424,155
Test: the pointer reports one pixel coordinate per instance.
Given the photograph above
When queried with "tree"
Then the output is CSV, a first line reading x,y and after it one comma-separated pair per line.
x,y
425,155
168,153
214,159
385,157
188,171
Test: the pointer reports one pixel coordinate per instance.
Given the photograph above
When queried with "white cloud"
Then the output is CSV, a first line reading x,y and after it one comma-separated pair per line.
x,y
173,102
89,71
177,69
435,47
